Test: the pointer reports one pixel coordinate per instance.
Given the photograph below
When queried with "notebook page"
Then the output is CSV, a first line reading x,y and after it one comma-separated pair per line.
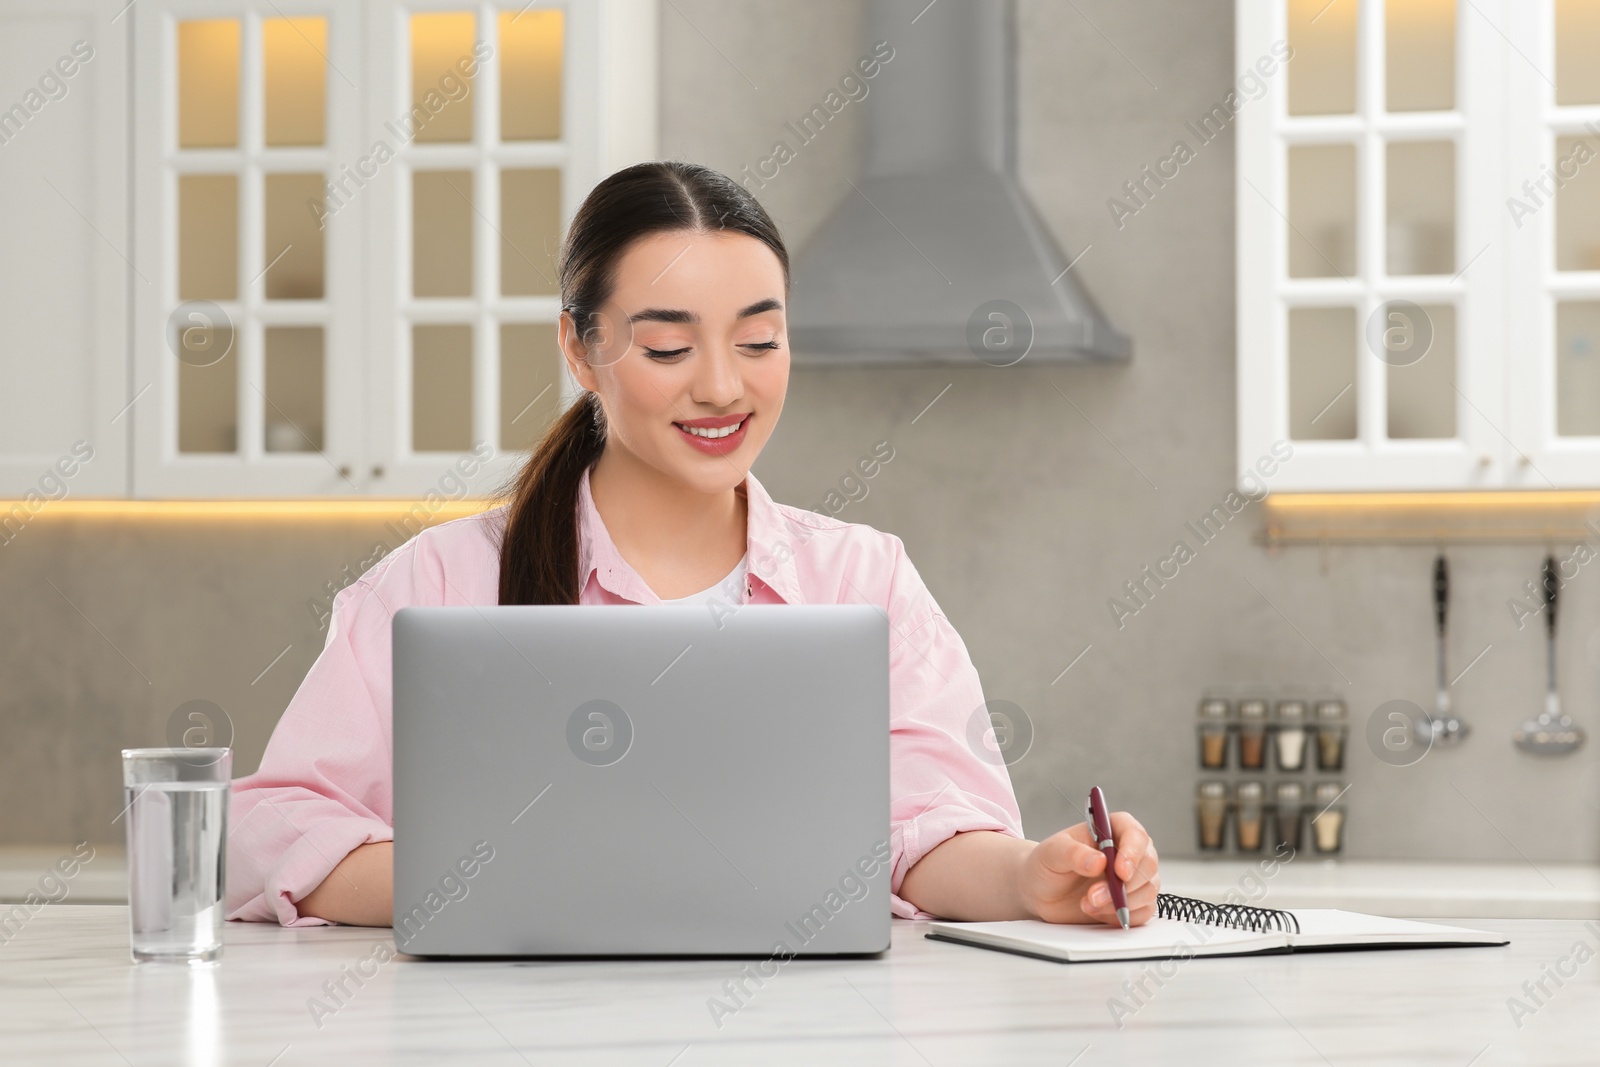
x,y
1156,939
1327,928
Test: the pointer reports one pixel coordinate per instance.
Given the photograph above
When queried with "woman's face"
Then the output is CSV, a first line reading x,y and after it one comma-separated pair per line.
x,y
693,343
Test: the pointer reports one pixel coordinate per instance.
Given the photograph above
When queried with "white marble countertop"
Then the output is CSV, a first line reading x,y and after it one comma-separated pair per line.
x,y
70,995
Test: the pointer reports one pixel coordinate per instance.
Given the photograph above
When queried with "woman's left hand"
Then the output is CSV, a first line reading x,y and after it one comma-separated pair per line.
x,y
1062,878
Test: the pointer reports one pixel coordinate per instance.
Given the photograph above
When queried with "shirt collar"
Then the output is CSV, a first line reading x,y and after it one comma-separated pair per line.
x,y
772,544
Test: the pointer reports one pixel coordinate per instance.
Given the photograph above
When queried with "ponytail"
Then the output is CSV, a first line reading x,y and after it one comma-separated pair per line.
x,y
544,510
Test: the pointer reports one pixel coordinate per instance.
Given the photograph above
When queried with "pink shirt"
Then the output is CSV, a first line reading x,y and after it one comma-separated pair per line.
x,y
324,785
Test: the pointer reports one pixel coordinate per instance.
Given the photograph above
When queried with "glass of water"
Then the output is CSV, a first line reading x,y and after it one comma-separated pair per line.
x,y
177,820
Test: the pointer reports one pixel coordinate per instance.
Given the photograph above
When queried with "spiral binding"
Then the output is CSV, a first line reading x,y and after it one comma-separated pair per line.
x,y
1235,916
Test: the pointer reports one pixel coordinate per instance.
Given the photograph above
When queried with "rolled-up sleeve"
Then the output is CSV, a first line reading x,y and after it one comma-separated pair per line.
x,y
944,778
324,785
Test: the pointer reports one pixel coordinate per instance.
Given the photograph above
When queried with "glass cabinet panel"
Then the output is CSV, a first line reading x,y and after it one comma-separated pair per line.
x,y
208,389
1420,54
441,388
208,237
1322,373
296,80
530,231
1422,381
441,94
1577,47
1578,368
1577,195
441,231
293,248
1322,211
1322,74
1421,194
294,408
530,382
530,74
208,83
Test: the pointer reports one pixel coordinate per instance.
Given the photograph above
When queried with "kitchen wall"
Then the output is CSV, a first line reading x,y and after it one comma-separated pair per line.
x,y
1026,495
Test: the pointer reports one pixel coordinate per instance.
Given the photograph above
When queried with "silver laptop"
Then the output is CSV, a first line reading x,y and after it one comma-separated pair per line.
x,y
616,780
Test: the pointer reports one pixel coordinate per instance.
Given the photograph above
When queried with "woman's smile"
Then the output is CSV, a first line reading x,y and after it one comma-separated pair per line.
x,y
715,436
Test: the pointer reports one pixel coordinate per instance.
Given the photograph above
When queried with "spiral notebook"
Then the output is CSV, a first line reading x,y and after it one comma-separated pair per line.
x,y
1184,927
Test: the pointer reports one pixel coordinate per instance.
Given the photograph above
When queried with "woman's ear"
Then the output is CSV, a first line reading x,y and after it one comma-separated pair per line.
x,y
575,352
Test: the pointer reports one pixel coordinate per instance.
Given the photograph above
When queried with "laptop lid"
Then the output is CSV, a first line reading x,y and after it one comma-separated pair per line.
x,y
618,780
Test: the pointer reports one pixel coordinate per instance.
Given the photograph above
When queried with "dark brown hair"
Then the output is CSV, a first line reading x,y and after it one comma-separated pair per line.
x,y
539,546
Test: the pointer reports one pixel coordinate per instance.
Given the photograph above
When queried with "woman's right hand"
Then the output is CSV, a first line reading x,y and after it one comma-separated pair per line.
x,y
1062,880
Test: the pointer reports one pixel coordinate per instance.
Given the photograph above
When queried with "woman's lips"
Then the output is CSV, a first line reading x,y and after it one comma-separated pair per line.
x,y
715,446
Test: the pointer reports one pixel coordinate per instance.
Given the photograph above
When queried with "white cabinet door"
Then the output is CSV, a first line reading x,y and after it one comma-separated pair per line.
x,y
248,335
66,268
1371,263
1551,222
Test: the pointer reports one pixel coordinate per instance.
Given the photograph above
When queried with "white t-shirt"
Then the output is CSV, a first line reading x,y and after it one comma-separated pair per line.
x,y
730,589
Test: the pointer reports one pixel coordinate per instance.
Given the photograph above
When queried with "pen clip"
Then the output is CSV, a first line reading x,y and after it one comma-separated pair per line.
x,y
1095,824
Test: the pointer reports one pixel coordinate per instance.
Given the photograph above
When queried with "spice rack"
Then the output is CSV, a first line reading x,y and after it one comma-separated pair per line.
x,y
1256,758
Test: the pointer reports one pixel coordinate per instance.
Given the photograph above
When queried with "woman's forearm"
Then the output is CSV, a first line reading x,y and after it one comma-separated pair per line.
x,y
359,891
985,876
971,877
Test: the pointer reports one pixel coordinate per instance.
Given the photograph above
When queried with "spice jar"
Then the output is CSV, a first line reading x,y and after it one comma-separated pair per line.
x,y
1330,735
1213,731
1211,809
1288,812
1252,734
1327,826
1249,805
1289,736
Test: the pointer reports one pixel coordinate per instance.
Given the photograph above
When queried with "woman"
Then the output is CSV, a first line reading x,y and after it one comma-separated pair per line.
x,y
674,284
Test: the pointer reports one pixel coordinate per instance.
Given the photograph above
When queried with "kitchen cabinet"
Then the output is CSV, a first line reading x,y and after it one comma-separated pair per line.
x,y
347,216
65,272
1418,243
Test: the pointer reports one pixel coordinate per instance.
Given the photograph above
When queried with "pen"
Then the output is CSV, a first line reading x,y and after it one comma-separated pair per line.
x,y
1100,826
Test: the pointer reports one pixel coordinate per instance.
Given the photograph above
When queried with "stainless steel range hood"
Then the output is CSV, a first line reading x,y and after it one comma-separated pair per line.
x,y
937,227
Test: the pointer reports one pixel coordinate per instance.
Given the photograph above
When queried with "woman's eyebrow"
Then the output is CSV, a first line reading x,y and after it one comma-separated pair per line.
x,y
681,315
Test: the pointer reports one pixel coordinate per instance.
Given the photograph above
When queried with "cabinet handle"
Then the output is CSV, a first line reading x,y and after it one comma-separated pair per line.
x,y
1485,460
344,470
377,472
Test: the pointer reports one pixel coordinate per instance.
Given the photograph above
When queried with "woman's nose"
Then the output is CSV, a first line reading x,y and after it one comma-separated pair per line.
x,y
719,382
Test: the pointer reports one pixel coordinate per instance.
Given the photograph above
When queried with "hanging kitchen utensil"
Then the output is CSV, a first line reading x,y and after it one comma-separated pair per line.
x,y
1446,727
1552,733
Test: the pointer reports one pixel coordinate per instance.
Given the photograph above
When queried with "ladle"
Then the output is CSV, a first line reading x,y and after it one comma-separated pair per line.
x,y
1552,733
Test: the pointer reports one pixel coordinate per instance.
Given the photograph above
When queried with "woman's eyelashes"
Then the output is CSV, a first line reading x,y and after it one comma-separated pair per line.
x,y
674,353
